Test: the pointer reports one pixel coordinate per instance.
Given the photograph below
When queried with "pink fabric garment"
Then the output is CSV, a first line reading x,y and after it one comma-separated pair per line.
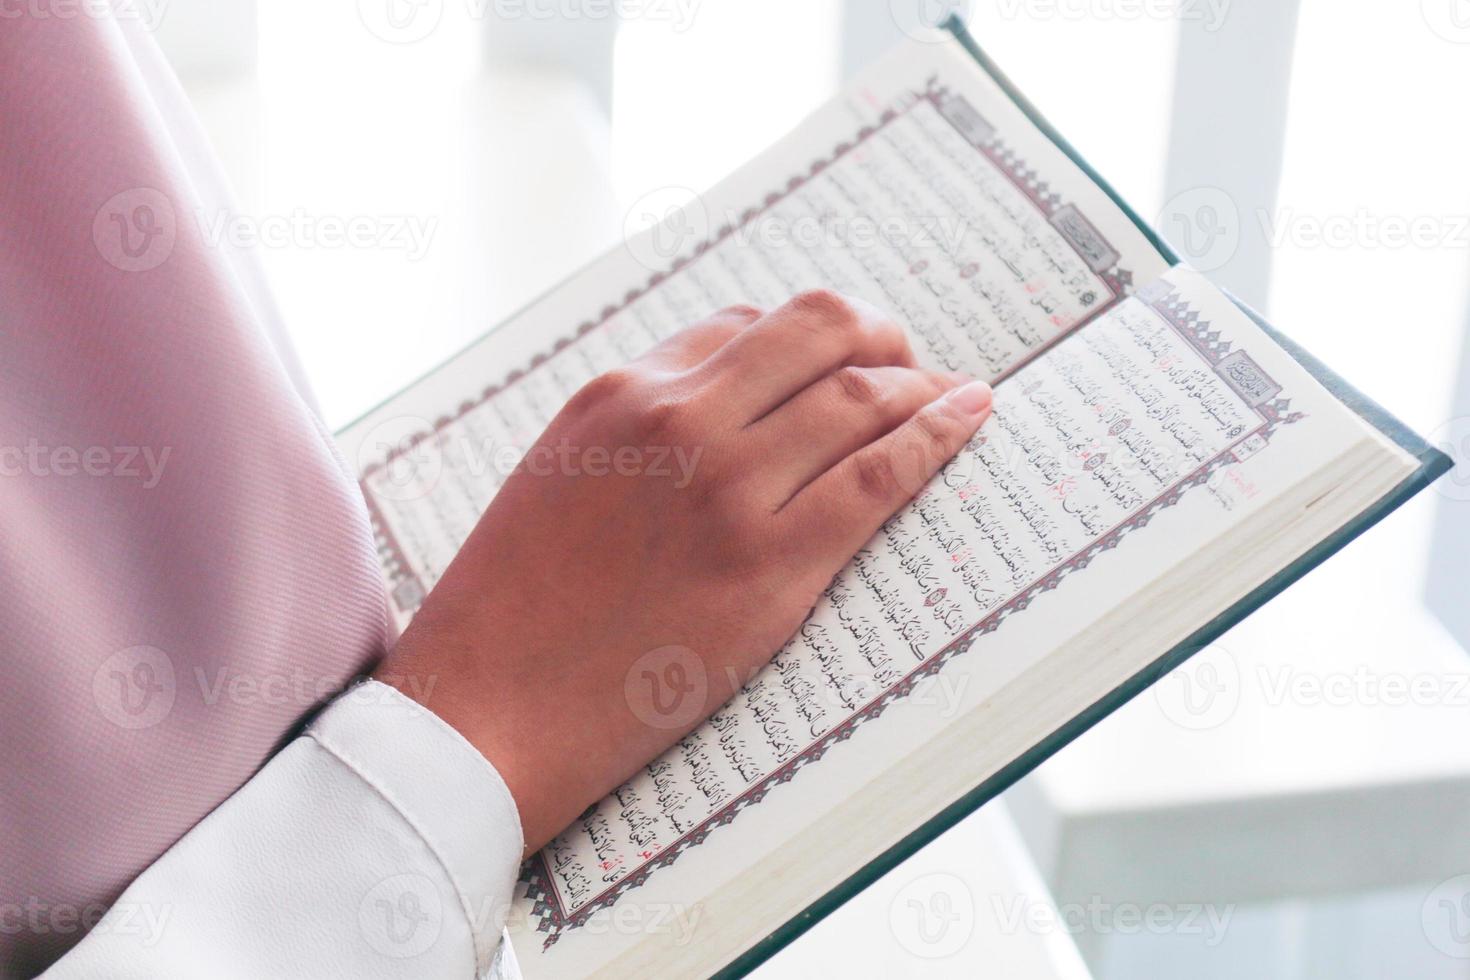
x,y
185,566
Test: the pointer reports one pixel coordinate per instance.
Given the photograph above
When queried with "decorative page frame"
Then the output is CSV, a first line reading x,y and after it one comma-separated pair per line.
x,y
1236,368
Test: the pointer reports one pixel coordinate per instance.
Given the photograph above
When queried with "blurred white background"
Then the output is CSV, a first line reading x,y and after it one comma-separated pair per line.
x,y
1291,804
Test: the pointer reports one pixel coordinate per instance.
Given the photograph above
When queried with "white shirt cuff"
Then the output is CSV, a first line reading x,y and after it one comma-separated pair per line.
x,y
379,845
442,786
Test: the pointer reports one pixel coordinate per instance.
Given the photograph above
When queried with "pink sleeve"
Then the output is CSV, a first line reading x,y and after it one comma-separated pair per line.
x,y
185,567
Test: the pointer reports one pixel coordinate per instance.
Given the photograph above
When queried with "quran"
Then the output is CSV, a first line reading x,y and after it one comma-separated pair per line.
x,y
1159,463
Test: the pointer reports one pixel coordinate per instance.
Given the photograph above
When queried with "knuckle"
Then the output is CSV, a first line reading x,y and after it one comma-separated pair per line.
x,y
937,433
613,386
860,388
740,311
874,475
824,313
939,383
894,340
665,419
824,308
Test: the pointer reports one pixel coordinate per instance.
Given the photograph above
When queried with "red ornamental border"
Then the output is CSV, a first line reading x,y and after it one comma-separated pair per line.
x,y
407,589
1170,306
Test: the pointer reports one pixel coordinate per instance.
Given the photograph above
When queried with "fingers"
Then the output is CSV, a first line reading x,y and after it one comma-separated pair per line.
x,y
788,349
844,507
835,417
693,345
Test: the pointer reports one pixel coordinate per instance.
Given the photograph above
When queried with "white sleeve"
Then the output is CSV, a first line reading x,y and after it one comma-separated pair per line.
x,y
378,844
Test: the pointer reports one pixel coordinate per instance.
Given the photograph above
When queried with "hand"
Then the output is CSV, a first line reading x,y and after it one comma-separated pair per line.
x,y
667,534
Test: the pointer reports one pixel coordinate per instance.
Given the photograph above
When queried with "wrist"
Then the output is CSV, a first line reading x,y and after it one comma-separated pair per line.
x,y
522,740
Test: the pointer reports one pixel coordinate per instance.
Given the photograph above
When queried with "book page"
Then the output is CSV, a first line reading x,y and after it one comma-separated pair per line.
x,y
1112,458
1132,428
924,190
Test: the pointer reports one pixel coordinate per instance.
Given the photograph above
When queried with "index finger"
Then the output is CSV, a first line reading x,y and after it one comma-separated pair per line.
x,y
840,510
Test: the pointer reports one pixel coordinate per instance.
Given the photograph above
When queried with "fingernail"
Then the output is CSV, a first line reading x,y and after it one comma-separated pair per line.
x,y
972,399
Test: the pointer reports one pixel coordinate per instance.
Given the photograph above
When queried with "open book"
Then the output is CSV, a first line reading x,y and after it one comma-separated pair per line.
x,y
1159,463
